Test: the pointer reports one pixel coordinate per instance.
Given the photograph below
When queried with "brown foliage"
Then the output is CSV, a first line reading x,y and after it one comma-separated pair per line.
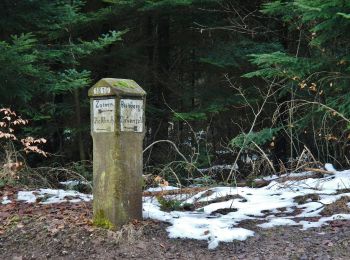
x,y
13,162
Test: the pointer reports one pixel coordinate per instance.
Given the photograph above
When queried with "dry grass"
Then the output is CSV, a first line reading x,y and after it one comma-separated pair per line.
x,y
338,207
304,198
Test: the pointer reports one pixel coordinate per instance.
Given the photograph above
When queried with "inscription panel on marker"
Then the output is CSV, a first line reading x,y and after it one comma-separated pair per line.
x,y
103,115
102,90
131,113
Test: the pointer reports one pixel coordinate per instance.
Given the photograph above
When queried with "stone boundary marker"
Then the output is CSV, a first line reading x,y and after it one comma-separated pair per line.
x,y
117,129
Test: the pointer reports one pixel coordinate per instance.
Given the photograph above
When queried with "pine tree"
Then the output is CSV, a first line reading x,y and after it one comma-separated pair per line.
x,y
314,68
42,46
181,60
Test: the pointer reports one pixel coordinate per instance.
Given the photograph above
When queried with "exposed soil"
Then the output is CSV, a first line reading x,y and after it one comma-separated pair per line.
x,y
64,231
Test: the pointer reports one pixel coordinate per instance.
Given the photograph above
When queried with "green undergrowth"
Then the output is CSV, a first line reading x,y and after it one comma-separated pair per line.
x,y
177,205
174,205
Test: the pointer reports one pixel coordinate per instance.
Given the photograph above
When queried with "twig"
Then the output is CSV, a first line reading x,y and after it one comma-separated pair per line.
x,y
256,116
170,142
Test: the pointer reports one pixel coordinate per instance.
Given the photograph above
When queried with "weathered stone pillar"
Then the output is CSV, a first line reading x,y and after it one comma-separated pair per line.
x,y
117,129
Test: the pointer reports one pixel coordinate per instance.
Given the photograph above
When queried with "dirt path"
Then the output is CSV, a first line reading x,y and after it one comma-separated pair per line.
x,y
64,231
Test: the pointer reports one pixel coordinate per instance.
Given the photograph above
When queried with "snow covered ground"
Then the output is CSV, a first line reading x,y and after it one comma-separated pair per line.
x,y
217,212
273,204
48,196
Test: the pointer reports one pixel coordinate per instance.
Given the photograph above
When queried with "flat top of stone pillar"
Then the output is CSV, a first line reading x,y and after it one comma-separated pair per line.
x,y
116,87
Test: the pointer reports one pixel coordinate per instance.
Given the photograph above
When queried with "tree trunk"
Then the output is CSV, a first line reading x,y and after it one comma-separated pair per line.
x,y
78,126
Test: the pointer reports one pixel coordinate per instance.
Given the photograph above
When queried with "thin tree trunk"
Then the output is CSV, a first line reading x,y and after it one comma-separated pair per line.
x,y
78,126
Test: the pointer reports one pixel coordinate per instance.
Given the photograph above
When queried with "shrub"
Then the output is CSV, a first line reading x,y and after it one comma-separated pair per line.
x,y
12,148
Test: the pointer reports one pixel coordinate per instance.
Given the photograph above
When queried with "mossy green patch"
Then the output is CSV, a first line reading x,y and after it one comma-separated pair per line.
x,y
100,220
123,84
170,205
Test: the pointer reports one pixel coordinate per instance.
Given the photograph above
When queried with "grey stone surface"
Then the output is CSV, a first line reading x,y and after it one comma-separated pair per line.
x,y
117,155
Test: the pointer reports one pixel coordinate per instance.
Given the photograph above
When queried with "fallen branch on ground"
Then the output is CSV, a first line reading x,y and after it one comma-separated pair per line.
x,y
255,183
258,184
318,170
175,192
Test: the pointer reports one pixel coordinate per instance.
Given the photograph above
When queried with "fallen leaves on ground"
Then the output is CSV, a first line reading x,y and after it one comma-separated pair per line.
x,y
60,215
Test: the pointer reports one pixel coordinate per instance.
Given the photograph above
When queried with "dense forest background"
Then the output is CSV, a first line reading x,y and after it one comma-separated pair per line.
x,y
258,86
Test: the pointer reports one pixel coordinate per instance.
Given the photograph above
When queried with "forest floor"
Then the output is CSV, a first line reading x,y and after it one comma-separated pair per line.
x,y
64,231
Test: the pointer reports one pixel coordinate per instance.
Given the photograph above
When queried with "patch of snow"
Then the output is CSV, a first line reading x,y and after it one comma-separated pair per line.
x,y
328,184
219,168
310,209
268,178
249,158
151,209
26,196
57,196
291,174
52,196
5,200
244,203
329,167
224,208
278,222
193,226
197,225
162,188
73,183
323,221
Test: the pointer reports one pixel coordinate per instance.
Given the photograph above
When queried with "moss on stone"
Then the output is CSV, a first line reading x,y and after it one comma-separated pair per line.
x,y
123,84
100,220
